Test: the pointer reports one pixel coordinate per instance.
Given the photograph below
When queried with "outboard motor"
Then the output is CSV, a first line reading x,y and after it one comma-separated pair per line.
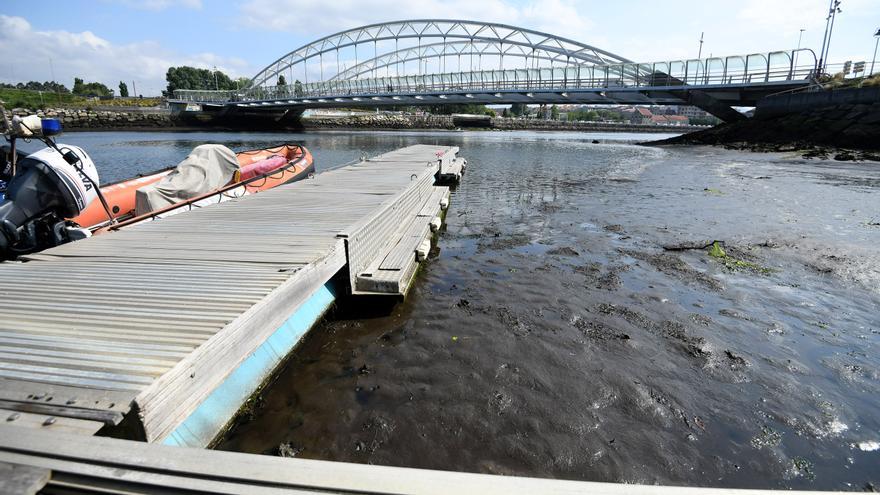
x,y
49,186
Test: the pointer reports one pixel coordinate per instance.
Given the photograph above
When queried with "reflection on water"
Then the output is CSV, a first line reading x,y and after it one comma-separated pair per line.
x,y
553,335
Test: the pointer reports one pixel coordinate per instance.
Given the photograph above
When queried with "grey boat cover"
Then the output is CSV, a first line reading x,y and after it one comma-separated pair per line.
x,y
208,167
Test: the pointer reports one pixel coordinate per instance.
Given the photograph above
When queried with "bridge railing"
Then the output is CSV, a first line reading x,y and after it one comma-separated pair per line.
x,y
741,69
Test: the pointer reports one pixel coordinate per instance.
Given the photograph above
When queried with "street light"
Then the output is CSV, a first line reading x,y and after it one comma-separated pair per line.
x,y
800,36
833,10
876,35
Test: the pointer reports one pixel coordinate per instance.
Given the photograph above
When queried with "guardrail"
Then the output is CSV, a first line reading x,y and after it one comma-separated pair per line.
x,y
735,70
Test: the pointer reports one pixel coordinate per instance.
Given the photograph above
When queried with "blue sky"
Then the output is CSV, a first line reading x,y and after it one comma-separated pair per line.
x,y
112,40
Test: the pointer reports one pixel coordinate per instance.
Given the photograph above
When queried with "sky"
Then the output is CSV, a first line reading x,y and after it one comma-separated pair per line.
x,y
137,40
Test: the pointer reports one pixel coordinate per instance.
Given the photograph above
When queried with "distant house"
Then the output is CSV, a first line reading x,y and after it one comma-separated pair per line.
x,y
641,116
659,120
678,120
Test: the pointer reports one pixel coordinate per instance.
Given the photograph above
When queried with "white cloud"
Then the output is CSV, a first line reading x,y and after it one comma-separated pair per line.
x,y
26,53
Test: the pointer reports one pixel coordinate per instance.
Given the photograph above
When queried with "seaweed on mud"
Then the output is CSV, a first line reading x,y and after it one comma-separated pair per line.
x,y
498,243
716,251
608,280
598,331
563,251
767,438
674,266
803,467
672,331
287,449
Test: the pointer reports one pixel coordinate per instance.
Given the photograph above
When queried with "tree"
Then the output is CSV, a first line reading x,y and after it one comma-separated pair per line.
x,y
518,109
48,86
123,89
505,113
185,77
281,81
90,89
583,114
297,88
554,112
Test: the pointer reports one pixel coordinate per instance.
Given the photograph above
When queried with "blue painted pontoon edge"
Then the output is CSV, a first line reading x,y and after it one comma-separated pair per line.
x,y
209,418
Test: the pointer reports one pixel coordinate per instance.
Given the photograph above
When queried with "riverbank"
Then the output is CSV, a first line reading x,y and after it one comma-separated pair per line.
x,y
146,119
134,119
450,122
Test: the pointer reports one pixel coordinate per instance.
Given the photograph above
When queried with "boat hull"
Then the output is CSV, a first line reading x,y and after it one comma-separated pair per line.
x,y
120,196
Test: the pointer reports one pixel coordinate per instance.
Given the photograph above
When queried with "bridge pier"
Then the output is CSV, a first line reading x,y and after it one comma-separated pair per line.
x,y
231,116
707,102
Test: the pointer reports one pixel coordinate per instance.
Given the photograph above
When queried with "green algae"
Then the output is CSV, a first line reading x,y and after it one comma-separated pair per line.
x,y
715,250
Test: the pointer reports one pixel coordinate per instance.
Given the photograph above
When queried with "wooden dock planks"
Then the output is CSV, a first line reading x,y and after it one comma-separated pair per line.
x,y
155,317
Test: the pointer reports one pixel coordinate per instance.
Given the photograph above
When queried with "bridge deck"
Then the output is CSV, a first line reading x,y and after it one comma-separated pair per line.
x,y
173,324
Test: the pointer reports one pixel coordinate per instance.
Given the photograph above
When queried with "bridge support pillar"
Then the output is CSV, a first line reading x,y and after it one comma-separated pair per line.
x,y
707,102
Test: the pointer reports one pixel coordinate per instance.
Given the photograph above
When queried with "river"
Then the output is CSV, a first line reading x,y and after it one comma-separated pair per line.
x,y
573,324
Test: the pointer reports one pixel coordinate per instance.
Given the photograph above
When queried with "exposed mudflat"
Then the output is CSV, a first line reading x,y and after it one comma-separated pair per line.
x,y
580,321
577,323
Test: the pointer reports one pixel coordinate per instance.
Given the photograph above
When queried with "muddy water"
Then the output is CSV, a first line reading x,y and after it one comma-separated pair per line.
x,y
573,325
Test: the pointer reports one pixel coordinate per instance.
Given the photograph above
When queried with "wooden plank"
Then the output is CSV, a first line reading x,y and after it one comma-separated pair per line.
x,y
24,480
99,461
50,422
159,315
170,399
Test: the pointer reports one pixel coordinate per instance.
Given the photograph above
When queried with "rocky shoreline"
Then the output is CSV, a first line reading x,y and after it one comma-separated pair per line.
x,y
88,119
843,131
451,122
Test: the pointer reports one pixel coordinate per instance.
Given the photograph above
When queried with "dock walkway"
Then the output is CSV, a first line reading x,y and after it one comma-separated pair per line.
x,y
164,329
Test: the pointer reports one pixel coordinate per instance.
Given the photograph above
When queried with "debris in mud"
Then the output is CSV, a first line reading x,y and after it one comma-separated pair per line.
x,y
364,370
767,438
670,330
500,402
674,266
499,243
287,449
716,192
735,359
616,228
803,467
563,251
701,319
598,331
730,313
548,207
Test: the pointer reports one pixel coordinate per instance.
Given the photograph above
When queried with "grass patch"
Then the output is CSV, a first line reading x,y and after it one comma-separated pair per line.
x,y
23,98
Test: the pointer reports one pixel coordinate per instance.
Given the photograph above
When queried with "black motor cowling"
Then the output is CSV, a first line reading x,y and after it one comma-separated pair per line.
x,y
36,200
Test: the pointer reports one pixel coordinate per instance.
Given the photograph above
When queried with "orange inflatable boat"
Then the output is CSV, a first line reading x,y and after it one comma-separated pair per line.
x,y
259,170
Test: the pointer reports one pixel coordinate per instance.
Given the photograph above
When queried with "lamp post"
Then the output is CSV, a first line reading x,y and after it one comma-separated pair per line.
x,y
800,36
874,58
833,10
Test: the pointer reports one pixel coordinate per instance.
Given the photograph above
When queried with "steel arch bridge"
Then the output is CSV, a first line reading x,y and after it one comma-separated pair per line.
x,y
435,61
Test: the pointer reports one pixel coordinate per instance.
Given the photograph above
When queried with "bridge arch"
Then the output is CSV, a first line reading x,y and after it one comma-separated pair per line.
x,y
456,38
